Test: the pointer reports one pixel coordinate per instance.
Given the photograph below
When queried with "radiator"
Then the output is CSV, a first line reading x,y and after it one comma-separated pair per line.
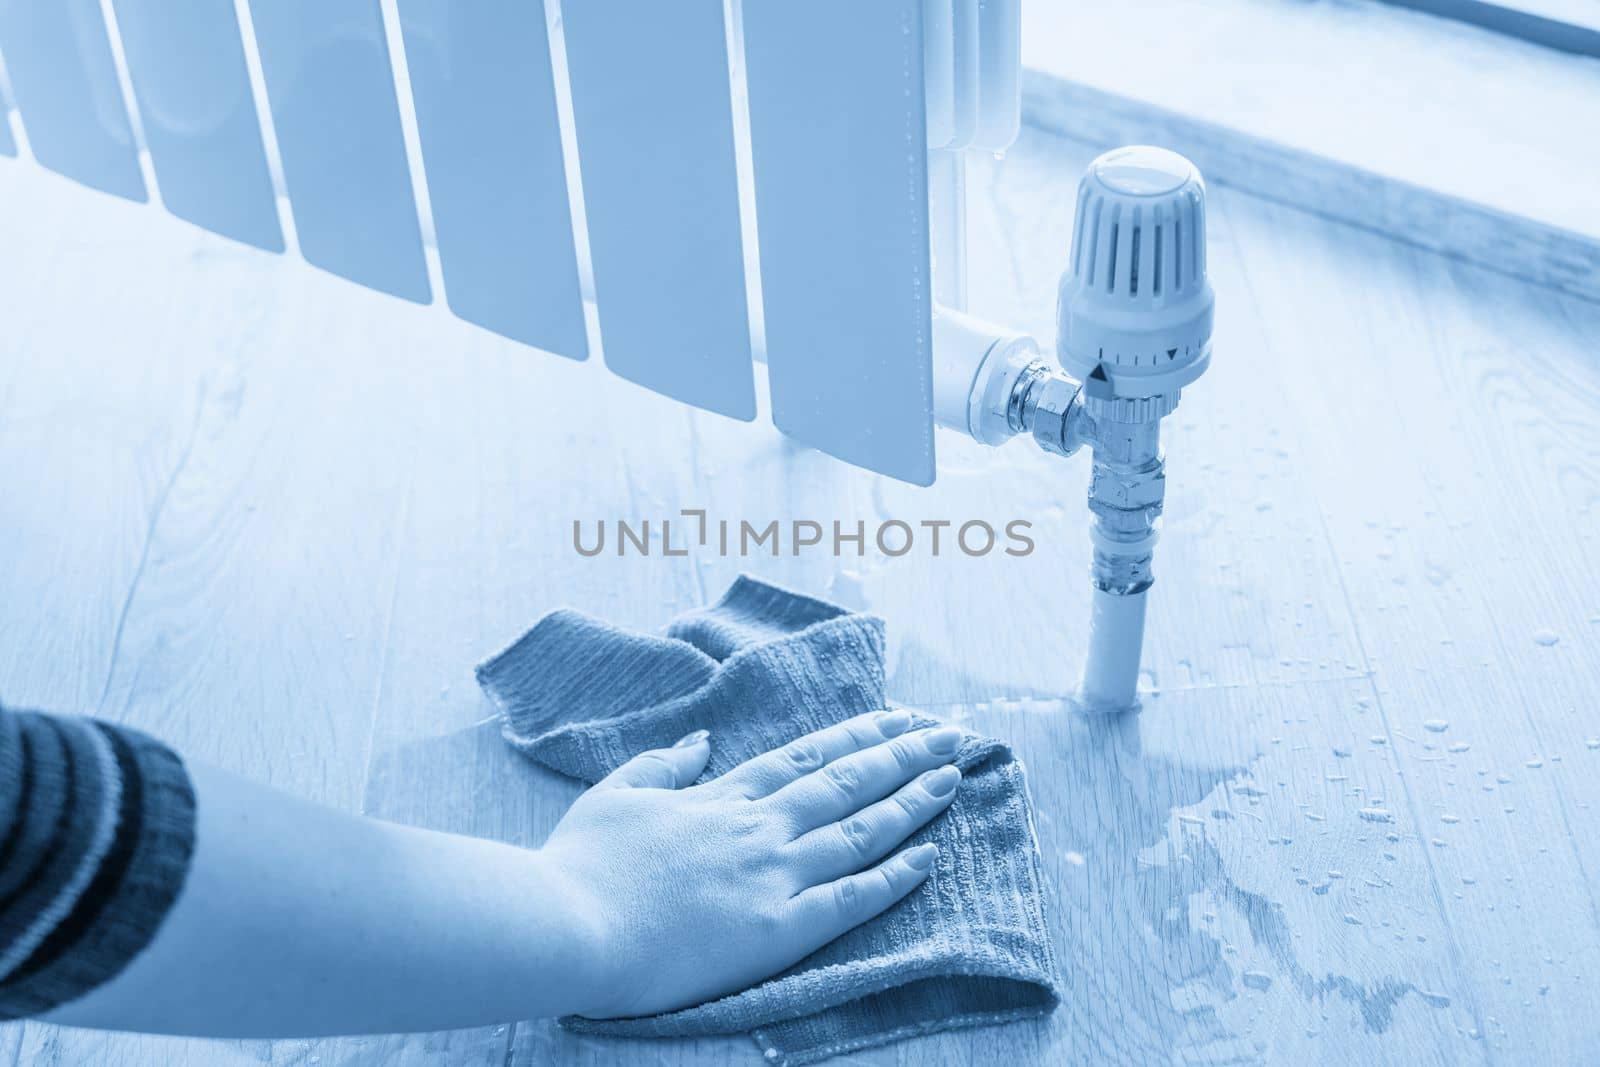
x,y
720,181
823,114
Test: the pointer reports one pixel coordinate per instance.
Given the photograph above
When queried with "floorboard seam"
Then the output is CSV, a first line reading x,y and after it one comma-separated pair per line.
x,y
149,540
402,526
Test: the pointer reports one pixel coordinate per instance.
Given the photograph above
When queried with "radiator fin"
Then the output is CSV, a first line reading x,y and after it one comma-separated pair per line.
x,y
653,110
192,87
330,87
839,143
482,82
64,80
999,86
939,70
965,63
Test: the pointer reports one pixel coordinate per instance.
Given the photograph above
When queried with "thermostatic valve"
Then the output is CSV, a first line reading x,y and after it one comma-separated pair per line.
x,y
1133,322
1135,304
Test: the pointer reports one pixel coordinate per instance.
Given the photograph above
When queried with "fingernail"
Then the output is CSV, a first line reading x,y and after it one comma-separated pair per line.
x,y
691,740
944,740
942,781
922,857
894,721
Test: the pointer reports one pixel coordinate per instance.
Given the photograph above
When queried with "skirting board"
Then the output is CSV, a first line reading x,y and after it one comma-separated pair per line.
x,y
1503,242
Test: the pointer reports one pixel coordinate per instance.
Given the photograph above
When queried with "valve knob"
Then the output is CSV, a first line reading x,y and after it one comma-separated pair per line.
x,y
1135,305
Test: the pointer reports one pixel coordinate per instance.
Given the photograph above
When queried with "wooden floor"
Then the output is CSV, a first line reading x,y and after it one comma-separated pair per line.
x,y
276,519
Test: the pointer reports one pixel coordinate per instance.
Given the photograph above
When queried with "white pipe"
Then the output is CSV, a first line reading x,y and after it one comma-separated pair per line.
x,y
1116,635
976,366
979,372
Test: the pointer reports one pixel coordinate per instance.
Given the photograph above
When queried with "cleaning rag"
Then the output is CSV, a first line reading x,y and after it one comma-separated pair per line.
x,y
762,667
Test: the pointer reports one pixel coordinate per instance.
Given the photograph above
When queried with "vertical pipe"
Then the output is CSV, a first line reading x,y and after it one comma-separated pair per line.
x,y
1126,492
1116,635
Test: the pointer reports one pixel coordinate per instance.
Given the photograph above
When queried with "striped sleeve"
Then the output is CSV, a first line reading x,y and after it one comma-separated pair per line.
x,y
96,832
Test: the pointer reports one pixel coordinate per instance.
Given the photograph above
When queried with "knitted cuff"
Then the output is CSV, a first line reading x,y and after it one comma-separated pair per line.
x,y
100,838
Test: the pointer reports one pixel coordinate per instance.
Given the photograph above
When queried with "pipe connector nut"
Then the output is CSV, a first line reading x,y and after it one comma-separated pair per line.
x,y
1058,415
1128,490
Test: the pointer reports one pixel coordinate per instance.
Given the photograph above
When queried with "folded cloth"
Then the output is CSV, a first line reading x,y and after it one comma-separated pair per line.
x,y
763,666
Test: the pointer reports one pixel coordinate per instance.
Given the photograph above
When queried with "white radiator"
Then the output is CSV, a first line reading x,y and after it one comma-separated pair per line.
x,y
777,178
803,129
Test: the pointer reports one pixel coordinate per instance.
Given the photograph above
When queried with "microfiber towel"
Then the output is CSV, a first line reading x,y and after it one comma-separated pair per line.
x,y
761,667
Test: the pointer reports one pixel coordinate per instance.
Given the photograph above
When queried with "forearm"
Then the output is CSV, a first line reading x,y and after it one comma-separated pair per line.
x,y
293,920
296,920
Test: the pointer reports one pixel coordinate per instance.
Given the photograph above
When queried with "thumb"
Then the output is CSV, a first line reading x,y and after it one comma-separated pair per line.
x,y
663,768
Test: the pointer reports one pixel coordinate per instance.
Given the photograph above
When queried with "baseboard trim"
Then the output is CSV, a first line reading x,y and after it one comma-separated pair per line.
x,y
1520,247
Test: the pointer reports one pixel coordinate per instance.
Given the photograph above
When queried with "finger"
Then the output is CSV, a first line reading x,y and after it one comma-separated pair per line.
x,y
826,911
844,847
770,771
663,768
850,783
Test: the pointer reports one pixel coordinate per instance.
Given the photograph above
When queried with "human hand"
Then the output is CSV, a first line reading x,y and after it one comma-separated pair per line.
x,y
688,894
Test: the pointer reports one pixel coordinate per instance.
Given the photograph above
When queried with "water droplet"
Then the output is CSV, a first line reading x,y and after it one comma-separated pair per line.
x,y
1593,742
1545,638
1448,818
1534,763
1376,815
1351,919
1342,753
1458,747
1257,980
1437,726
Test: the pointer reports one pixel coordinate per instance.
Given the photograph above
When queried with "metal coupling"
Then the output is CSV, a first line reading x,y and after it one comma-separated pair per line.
x,y
1126,503
1127,493
1127,484
1122,575
1048,405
